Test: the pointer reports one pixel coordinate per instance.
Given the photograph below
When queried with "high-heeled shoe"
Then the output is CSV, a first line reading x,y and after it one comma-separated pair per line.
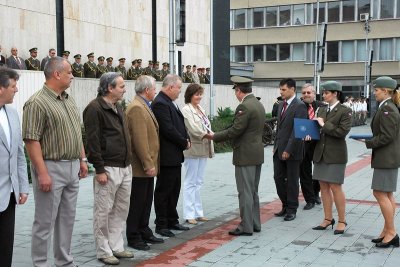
x,y
377,240
394,242
339,232
320,227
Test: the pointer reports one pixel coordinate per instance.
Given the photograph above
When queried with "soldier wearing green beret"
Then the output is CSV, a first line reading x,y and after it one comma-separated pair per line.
x,y
109,66
187,76
101,69
90,68
32,63
131,75
165,70
149,69
121,67
77,67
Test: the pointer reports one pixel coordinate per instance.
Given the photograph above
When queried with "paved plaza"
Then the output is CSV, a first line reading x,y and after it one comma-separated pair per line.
x,y
279,243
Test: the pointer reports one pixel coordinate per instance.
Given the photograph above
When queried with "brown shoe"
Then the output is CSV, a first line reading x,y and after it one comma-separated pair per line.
x,y
203,219
110,260
191,221
123,254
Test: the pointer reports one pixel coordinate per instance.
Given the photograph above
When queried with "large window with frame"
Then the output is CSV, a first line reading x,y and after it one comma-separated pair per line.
x,y
271,52
272,16
258,53
284,52
361,50
332,49
364,6
334,11
398,9
386,49
298,17
310,52
239,18
309,14
348,11
397,49
387,9
284,15
347,51
258,17
240,53
298,52
321,12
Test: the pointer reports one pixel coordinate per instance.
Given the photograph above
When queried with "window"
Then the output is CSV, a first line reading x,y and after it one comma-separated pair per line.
x,y
298,15
387,9
347,51
364,6
332,51
240,19
258,53
375,45
310,52
271,52
284,15
398,46
386,49
348,10
231,56
258,17
272,17
375,8
240,54
298,52
284,52
321,12
333,11
309,14
360,50
398,9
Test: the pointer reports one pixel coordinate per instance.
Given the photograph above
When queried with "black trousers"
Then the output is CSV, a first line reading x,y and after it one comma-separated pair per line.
x,y
7,225
286,176
306,181
166,196
137,223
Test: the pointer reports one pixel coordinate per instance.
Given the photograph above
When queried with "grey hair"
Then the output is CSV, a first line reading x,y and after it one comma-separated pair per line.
x,y
308,85
6,75
52,65
106,80
171,79
143,82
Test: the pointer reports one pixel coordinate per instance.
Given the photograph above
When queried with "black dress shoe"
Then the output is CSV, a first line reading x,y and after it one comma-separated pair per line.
x,y
281,213
339,232
290,217
141,245
238,232
309,206
394,242
179,227
377,240
256,230
153,240
318,200
165,232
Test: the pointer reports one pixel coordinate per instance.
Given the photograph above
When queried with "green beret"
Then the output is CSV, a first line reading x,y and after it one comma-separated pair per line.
x,y
90,54
65,53
121,59
385,82
100,58
110,59
241,81
77,56
331,86
33,50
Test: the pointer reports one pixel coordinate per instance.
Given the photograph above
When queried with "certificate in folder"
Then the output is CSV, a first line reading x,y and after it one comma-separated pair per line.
x,y
361,136
304,127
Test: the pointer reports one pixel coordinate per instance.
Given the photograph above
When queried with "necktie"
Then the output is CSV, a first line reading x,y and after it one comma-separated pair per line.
x,y
284,108
311,113
327,112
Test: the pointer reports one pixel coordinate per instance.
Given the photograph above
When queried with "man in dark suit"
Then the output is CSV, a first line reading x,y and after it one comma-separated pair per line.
x,y
248,154
14,61
52,53
288,151
309,187
173,141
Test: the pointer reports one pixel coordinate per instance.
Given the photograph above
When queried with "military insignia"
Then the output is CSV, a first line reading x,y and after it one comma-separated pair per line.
x,y
386,113
239,113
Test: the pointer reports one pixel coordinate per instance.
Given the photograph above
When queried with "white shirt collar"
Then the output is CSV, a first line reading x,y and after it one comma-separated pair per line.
x,y
290,99
380,104
334,105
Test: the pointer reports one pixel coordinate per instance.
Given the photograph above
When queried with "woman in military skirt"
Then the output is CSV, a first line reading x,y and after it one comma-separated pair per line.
x,y
330,155
385,145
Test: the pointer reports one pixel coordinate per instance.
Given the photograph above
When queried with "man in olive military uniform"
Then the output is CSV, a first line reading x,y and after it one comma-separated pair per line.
x,y
32,63
202,77
101,69
165,70
187,76
132,72
121,67
77,67
139,61
248,153
149,69
90,68
208,75
109,66
156,73
65,54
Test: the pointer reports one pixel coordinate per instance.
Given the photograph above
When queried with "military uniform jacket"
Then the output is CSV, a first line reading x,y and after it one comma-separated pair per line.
x,y
332,148
246,133
122,70
32,64
157,75
147,71
101,69
131,74
77,70
90,70
110,68
202,78
385,142
164,74
187,77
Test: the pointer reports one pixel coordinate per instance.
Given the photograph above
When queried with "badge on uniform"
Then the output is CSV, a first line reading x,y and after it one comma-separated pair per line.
x,y
239,112
386,113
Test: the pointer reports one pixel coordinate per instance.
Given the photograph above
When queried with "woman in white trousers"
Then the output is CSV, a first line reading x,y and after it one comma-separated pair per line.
x,y
198,126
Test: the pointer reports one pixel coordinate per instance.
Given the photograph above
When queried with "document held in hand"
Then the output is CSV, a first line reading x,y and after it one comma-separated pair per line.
x,y
304,127
361,136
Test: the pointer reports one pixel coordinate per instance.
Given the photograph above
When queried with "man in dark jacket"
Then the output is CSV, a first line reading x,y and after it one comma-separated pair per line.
x,y
173,141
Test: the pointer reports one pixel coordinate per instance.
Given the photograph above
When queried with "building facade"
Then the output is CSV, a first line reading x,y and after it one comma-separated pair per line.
x,y
278,38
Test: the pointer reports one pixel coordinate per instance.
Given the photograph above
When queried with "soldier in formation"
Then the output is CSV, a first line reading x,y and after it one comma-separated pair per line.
x,y
90,68
101,69
121,67
32,63
77,67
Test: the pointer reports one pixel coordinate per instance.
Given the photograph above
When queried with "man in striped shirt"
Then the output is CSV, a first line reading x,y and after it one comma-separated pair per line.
x,y
51,130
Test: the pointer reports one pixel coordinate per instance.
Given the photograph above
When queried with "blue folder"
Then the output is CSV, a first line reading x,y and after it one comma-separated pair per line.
x,y
304,127
361,136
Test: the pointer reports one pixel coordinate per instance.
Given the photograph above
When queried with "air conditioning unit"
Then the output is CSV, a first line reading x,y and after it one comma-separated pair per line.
x,y
364,16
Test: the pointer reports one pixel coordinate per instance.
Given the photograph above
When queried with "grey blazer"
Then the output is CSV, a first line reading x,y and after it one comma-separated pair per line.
x,y
12,63
13,173
284,140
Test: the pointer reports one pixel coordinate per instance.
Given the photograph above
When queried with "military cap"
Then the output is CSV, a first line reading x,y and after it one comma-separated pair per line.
x,y
33,50
207,68
65,53
243,82
100,58
110,59
91,54
331,86
139,60
150,61
77,56
385,82
165,64
188,66
156,62
194,66
121,59
134,61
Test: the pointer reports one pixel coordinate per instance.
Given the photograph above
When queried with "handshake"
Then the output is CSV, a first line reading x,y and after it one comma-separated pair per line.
x,y
209,136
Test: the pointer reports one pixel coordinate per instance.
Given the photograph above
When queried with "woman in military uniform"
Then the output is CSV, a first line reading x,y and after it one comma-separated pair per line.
x,y
385,145
330,155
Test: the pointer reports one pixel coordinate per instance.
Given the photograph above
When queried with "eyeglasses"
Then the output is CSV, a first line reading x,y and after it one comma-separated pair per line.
x,y
304,93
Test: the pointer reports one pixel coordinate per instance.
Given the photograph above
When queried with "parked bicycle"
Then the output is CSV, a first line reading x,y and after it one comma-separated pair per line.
x,y
269,131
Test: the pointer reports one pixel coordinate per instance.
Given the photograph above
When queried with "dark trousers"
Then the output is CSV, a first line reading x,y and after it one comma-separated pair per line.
x,y
7,225
286,176
306,181
137,223
166,197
